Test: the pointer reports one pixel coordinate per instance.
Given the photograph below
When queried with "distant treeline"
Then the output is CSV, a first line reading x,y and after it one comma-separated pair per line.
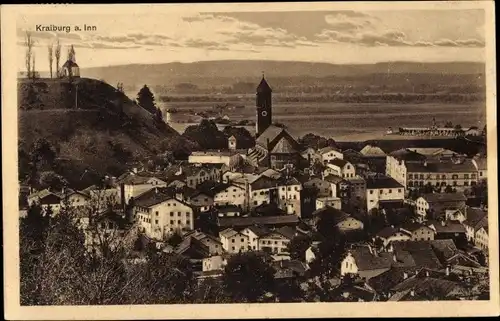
x,y
342,98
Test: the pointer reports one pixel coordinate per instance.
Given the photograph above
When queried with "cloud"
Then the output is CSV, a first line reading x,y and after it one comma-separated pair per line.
x,y
350,21
391,38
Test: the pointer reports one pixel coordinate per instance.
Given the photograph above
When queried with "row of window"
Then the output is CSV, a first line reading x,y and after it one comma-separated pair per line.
x,y
390,191
438,176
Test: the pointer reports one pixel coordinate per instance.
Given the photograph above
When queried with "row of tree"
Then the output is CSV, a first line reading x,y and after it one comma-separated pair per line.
x,y
30,56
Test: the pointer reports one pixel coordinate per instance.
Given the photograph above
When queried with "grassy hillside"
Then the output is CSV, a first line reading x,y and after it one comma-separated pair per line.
x,y
88,123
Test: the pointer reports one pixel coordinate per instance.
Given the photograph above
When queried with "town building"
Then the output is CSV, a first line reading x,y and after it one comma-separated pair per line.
x,y
276,241
340,167
329,153
46,199
70,68
343,221
228,157
213,244
233,241
476,218
382,189
334,202
160,214
435,205
481,239
135,184
323,187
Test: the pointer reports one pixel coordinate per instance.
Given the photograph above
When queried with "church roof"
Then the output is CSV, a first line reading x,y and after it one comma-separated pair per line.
x,y
284,146
263,86
70,63
270,133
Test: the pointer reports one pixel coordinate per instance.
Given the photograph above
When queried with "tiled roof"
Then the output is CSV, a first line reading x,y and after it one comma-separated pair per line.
x,y
271,173
421,252
193,244
248,221
337,215
390,231
407,155
382,182
338,162
326,149
449,227
441,167
445,248
287,232
372,151
259,230
475,217
382,283
422,284
227,233
334,179
269,134
444,197
284,146
367,261
154,196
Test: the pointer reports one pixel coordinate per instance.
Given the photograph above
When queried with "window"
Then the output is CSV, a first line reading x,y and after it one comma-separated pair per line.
x,y
110,225
473,176
466,183
480,173
421,176
103,225
232,241
172,222
410,176
455,183
466,176
390,190
371,191
156,221
187,213
443,176
381,191
233,248
157,213
171,213
275,242
399,190
234,190
348,166
255,203
242,240
296,188
188,222
206,199
179,214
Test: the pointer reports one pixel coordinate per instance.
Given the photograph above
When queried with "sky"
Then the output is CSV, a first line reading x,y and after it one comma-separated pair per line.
x,y
340,37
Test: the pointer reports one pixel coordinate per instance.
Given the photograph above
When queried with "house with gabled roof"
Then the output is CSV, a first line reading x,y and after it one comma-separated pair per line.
x,y
476,218
340,167
46,199
329,153
233,241
276,241
213,243
161,214
345,222
434,205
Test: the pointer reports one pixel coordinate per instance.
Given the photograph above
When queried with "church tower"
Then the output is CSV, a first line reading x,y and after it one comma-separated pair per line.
x,y
264,107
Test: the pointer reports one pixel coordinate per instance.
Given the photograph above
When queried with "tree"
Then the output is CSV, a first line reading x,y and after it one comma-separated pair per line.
x,y
29,43
448,189
50,48
175,239
247,277
42,153
146,99
329,255
33,67
448,124
158,115
298,246
57,53
50,179
206,135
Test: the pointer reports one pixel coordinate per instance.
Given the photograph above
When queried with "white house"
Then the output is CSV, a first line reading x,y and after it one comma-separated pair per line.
x,y
481,164
230,158
334,202
233,241
481,238
254,233
230,194
274,242
134,185
476,218
393,234
340,167
214,263
46,199
289,195
161,214
328,153
76,199
438,204
323,187
382,188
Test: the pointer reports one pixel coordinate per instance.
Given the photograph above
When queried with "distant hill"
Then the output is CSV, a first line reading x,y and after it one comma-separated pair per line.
x,y
227,72
89,123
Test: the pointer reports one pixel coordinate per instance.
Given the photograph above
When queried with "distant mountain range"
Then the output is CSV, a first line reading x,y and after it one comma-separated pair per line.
x,y
227,72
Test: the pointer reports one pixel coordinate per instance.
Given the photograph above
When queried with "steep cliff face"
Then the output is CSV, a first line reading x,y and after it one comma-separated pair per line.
x,y
88,122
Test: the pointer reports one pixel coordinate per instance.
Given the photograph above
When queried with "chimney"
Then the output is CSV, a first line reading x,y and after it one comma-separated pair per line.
x,y
427,273
425,163
405,276
412,293
443,223
134,170
447,270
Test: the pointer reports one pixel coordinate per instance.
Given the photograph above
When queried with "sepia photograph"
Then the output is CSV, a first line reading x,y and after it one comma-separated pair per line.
x,y
222,160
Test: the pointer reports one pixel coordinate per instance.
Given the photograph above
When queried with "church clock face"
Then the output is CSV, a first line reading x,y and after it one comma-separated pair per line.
x,y
264,113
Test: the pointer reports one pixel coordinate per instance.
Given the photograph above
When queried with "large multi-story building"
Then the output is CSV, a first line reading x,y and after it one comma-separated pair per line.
x,y
382,189
414,170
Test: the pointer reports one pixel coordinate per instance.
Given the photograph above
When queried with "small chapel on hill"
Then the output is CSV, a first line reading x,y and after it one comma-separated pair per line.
x,y
274,147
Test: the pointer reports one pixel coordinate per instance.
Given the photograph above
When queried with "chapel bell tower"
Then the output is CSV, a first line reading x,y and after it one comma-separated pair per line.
x,y
264,107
